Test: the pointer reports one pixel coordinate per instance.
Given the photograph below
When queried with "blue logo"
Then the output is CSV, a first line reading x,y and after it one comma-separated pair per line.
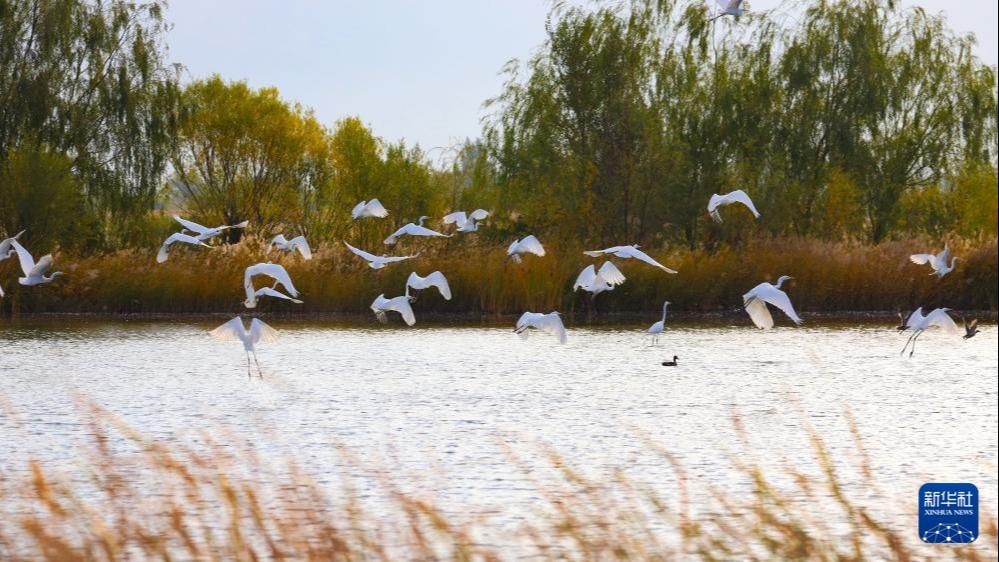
x,y
948,513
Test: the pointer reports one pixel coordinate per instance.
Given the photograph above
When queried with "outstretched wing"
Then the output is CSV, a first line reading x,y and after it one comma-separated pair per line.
x,y
362,253
375,209
191,225
402,306
551,323
713,204
279,273
758,313
596,253
780,299
437,279
585,278
479,214
921,259
740,196
23,256
457,217
942,320
356,211
611,274
230,331
532,245
41,266
417,230
261,332
640,255
302,245
915,318
269,292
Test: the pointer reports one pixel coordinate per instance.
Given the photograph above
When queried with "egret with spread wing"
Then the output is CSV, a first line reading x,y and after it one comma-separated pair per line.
x,y
758,297
737,196
272,270
466,223
596,282
527,245
368,209
259,332
412,229
378,262
937,318
204,232
34,272
629,252
938,262
550,323
381,306
729,8
164,253
435,279
298,243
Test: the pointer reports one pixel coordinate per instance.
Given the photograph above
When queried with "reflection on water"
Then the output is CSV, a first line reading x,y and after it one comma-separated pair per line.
x,y
447,399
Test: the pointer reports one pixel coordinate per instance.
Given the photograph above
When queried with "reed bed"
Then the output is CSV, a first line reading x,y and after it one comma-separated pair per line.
x,y
829,277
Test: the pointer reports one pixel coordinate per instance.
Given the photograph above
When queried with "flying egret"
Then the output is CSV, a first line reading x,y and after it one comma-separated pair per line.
x,y
164,253
626,252
596,282
204,232
656,329
297,243
737,196
550,323
381,306
937,262
414,230
910,321
259,332
34,273
273,270
527,245
435,279
729,8
970,328
757,298
378,262
937,318
469,223
366,209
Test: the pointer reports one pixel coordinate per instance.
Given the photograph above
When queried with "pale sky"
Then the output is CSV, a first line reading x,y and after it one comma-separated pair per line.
x,y
411,70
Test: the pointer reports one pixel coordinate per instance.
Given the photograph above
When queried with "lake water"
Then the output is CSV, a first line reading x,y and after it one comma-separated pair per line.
x,y
440,403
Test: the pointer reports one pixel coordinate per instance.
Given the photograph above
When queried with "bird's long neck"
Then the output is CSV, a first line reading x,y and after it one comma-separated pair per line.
x,y
953,260
665,304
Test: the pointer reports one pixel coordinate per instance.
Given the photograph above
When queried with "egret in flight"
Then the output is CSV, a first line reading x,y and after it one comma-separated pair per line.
x,y
414,230
164,253
435,279
937,318
756,301
378,262
656,329
259,332
527,245
550,323
381,306
203,232
729,8
737,196
626,252
298,243
34,273
274,271
596,282
938,262
366,209
466,223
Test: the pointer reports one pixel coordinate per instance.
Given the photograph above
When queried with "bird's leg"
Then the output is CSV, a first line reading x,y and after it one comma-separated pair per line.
x,y
259,372
248,375
913,350
907,343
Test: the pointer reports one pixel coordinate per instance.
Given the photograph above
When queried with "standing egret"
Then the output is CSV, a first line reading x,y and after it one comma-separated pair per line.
x,y
273,270
381,306
737,196
937,318
550,323
970,328
297,243
656,329
164,253
596,282
626,252
435,279
203,232
259,332
412,229
366,209
729,8
34,273
527,245
469,223
378,262
756,301
938,262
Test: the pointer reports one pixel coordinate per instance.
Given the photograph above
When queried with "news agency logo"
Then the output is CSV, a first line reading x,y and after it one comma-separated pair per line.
x,y
948,513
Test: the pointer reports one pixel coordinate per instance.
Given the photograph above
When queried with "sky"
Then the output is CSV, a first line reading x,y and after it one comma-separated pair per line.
x,y
418,71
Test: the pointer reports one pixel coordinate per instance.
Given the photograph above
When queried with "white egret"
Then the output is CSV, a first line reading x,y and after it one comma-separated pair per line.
x,y
938,262
381,306
164,253
970,328
378,262
259,332
729,8
656,329
550,323
272,270
756,301
626,252
527,245
469,223
435,279
596,282
737,196
297,243
913,319
34,273
412,229
366,209
204,232
937,318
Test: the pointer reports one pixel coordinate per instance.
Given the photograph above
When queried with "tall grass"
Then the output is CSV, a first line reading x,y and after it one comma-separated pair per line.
x,y
829,276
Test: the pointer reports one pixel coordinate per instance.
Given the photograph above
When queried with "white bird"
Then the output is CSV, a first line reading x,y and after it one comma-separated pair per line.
x,y
550,323
382,305
938,262
469,223
6,248
626,252
737,196
756,301
378,262
273,270
528,245
414,230
271,292
658,327
596,282
297,243
915,318
366,209
937,318
164,253
729,8
259,332
435,279
34,273
204,232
